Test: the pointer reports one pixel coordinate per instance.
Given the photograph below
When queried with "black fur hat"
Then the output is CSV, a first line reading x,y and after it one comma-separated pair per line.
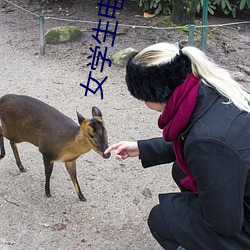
x,y
156,83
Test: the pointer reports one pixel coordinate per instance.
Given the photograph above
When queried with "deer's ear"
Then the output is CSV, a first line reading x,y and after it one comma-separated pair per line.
x,y
96,112
80,118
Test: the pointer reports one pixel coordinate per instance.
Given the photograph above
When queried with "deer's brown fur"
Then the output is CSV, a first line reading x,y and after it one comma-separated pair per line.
x,y
58,137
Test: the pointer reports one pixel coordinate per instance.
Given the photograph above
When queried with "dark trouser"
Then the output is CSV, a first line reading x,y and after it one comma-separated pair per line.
x,y
156,221
179,221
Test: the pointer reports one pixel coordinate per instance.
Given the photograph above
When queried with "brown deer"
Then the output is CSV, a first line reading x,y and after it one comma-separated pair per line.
x,y
59,139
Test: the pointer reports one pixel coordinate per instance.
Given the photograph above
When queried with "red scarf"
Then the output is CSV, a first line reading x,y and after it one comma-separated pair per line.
x,y
174,119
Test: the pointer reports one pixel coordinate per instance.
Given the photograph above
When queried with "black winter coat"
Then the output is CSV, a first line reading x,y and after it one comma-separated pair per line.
x,y
216,145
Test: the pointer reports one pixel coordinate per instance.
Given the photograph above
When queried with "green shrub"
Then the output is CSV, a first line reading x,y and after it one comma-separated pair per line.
x,y
165,6
211,7
227,6
157,6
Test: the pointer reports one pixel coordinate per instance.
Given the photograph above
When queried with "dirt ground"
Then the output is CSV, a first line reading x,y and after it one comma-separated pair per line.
x,y
119,195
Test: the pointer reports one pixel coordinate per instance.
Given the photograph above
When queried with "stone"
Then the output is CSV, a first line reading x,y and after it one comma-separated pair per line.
x,y
239,76
63,34
121,58
147,193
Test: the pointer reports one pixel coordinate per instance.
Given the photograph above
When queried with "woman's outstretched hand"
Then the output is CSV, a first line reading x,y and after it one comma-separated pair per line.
x,y
124,150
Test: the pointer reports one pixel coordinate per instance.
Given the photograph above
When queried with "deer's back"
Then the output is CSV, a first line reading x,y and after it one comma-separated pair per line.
x,y
24,118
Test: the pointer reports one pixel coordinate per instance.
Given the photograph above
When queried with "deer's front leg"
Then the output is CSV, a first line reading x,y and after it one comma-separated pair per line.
x,y
71,168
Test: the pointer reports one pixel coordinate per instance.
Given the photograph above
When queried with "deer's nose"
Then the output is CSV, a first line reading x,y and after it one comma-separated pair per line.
x,y
106,156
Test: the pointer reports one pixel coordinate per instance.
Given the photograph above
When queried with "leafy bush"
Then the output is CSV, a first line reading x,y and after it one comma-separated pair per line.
x,y
227,6
157,6
211,7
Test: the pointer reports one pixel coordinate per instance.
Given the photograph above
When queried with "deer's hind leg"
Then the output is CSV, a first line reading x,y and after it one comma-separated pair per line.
x,y
71,168
18,161
1,144
48,164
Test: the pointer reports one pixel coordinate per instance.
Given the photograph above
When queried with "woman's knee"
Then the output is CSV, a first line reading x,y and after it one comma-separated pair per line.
x,y
153,218
159,229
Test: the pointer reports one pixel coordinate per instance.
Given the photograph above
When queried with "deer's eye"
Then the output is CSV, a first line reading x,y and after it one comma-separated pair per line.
x,y
91,136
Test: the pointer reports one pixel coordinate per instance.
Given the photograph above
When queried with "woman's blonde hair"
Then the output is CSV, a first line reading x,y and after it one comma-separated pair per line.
x,y
202,67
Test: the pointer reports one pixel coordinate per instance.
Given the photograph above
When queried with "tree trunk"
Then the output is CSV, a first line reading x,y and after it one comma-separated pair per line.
x,y
183,11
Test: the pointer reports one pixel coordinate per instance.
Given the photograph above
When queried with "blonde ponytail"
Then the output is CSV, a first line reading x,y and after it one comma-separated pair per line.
x,y
218,78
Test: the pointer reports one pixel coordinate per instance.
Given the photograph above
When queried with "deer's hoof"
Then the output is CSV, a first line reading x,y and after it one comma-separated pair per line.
x,y
82,198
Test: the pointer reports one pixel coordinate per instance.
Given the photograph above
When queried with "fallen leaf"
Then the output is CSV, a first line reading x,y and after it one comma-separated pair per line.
x,y
148,15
